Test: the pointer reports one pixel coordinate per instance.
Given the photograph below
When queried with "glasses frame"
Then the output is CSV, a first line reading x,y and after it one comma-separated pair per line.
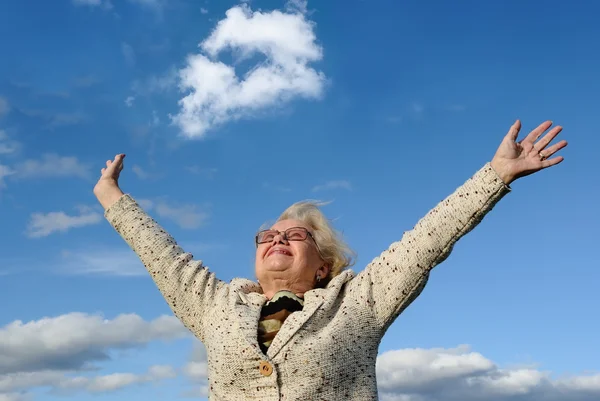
x,y
284,235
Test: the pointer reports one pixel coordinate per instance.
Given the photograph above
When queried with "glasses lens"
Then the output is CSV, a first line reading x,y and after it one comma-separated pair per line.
x,y
266,236
296,234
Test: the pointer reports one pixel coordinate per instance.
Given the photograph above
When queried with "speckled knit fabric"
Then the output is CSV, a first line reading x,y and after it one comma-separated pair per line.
x,y
328,350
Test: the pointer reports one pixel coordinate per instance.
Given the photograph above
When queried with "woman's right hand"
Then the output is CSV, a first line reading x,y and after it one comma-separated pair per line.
x,y
107,188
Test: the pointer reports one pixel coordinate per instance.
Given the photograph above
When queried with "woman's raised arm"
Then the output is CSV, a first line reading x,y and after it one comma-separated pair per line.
x,y
186,284
396,277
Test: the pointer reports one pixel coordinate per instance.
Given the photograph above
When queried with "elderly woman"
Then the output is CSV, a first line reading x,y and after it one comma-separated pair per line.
x,y
310,328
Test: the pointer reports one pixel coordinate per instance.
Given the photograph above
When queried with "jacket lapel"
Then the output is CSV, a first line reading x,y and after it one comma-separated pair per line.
x,y
246,308
294,322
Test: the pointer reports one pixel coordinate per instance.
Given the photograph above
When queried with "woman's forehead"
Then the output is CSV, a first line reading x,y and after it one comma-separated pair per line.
x,y
288,223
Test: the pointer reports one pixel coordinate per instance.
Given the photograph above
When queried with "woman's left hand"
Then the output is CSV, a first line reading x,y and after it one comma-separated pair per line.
x,y
517,159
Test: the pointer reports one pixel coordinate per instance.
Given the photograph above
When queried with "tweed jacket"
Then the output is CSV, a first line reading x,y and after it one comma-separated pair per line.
x,y
328,350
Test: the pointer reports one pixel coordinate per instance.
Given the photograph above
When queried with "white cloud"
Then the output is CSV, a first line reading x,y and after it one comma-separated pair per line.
x,y
129,101
155,120
117,381
140,172
55,120
76,340
204,172
417,108
86,81
128,54
463,375
54,352
217,95
196,370
101,262
106,4
154,4
14,397
5,171
186,216
6,144
331,185
156,83
297,6
64,119
203,10
42,225
64,383
52,165
4,107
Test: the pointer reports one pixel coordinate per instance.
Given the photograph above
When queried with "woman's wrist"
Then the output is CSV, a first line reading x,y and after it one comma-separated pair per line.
x,y
504,175
107,192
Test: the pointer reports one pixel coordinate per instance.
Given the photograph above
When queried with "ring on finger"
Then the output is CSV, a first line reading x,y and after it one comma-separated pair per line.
x,y
542,156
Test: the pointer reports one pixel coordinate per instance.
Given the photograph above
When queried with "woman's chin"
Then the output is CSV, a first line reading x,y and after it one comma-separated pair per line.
x,y
274,266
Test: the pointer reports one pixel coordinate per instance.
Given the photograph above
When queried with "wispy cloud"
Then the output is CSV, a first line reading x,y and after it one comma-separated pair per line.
x,y
204,172
86,81
140,172
100,262
217,94
128,54
153,4
105,4
417,108
63,119
44,224
4,106
297,6
274,187
7,145
156,83
52,165
186,216
55,120
129,101
5,171
331,185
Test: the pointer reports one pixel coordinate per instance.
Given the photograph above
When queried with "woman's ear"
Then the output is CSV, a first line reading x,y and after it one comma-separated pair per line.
x,y
323,271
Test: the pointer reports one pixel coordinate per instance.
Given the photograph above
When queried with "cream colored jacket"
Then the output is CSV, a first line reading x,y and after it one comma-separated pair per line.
x,y
328,350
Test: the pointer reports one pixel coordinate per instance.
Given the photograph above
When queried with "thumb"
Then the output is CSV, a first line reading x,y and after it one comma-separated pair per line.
x,y
513,132
118,162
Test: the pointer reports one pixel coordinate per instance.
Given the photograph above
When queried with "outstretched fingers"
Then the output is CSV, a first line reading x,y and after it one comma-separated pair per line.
x,y
546,139
552,162
546,153
537,132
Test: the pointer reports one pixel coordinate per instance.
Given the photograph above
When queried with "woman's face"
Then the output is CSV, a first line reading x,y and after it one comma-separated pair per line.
x,y
287,260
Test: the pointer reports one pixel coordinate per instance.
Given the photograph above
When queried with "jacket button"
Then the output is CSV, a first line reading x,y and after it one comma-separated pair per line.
x,y
265,368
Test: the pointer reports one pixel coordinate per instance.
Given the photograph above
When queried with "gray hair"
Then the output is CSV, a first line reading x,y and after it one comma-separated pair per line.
x,y
334,251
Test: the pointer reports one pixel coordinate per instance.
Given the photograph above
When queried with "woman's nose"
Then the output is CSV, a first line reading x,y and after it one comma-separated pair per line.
x,y
280,238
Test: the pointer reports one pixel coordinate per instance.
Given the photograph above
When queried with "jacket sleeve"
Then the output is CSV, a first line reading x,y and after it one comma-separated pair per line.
x,y
187,285
395,278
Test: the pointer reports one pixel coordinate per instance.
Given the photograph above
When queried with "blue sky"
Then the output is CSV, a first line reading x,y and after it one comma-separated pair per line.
x,y
382,107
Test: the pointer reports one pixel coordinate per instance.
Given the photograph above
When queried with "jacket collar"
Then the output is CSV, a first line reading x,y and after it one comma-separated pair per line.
x,y
248,301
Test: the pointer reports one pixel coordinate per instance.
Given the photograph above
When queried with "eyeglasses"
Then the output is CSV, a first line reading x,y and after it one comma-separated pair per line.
x,y
291,234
